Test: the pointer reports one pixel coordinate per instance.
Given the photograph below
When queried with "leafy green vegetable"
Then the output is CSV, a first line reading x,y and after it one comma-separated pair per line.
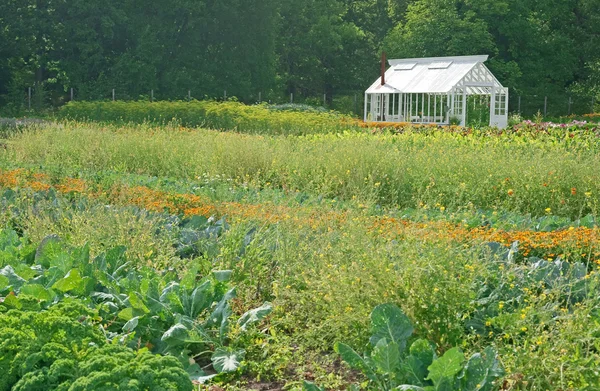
x,y
141,306
446,366
388,367
227,360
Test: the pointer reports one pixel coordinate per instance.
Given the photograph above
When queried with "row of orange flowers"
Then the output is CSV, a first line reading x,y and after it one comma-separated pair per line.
x,y
581,242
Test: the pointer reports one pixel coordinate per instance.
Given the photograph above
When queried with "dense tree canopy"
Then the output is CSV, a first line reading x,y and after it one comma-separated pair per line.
x,y
305,47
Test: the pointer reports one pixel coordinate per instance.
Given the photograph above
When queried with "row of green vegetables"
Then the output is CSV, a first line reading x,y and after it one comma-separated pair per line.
x,y
135,327
108,306
210,114
390,364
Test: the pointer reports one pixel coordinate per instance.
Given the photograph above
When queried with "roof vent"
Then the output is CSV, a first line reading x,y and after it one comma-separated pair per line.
x,y
406,66
440,64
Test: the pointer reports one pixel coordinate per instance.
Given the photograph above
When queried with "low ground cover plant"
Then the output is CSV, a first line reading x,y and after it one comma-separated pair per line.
x,y
63,348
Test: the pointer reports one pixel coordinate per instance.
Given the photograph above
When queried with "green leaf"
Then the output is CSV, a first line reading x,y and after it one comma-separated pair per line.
x,y
199,300
255,315
129,313
354,360
48,250
227,360
445,384
131,324
386,357
310,386
70,282
389,322
12,301
4,282
222,275
26,272
414,371
406,387
424,351
14,280
38,291
137,303
414,367
176,335
198,375
220,316
446,366
481,370
8,238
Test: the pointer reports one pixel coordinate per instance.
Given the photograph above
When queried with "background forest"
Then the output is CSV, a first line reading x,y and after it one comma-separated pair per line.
x,y
278,47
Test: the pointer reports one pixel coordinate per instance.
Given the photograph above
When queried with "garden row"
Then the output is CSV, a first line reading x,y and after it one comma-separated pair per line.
x,y
287,119
512,173
492,277
162,294
544,237
76,319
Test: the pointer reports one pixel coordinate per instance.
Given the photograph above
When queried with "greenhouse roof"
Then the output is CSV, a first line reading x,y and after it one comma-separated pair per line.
x,y
428,75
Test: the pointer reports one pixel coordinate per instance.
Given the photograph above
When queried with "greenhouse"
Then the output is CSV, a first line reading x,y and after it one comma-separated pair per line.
x,y
437,90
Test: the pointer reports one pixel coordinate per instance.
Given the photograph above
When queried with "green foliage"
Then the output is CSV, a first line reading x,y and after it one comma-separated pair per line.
x,y
214,115
387,366
477,171
144,307
512,278
305,47
323,252
63,348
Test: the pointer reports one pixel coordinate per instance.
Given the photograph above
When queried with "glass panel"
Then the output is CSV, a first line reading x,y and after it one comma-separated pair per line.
x,y
405,66
440,64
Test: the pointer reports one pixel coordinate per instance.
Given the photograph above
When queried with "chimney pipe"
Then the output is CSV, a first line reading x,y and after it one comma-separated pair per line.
x,y
383,66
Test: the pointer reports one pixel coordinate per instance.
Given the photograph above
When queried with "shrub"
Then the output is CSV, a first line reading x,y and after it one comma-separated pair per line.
x,y
284,119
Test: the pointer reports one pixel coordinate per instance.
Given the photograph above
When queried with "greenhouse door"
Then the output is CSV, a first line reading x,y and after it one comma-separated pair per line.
x,y
499,108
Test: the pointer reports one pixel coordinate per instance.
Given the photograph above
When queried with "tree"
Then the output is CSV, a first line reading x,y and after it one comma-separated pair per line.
x,y
320,51
435,28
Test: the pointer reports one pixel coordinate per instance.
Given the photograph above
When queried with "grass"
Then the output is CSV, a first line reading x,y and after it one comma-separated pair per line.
x,y
326,227
511,173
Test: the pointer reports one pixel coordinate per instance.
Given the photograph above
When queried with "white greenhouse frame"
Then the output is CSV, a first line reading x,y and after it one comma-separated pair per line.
x,y
434,90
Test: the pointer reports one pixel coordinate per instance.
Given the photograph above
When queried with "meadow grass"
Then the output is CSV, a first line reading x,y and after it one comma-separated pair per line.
x,y
412,170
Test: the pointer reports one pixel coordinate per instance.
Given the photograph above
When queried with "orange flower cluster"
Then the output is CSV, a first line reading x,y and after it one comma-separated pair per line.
x,y
579,241
592,116
71,185
576,241
11,178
